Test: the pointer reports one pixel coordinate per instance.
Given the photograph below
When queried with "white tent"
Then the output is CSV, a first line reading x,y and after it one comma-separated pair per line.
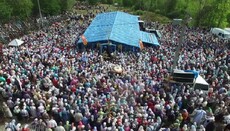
x,y
16,42
200,83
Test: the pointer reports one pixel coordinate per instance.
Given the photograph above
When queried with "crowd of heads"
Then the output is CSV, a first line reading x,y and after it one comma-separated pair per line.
x,y
47,80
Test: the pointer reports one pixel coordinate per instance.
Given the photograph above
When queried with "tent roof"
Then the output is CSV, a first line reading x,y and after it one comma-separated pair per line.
x,y
16,42
200,80
115,26
149,38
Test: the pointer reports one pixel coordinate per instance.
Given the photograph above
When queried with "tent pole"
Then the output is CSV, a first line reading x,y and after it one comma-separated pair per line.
x,y
39,8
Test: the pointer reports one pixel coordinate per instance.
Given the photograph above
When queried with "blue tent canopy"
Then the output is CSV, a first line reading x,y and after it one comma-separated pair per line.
x,y
117,27
149,38
196,73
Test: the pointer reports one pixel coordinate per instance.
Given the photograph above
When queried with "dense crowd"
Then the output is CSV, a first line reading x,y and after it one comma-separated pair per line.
x,y
47,80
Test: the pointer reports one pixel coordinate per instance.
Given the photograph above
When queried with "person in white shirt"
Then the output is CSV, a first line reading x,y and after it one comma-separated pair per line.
x,y
52,123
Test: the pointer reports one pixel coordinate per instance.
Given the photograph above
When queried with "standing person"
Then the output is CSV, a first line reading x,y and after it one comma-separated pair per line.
x,y
52,123
26,128
59,127
41,126
33,111
198,116
67,126
34,124
11,125
227,127
24,113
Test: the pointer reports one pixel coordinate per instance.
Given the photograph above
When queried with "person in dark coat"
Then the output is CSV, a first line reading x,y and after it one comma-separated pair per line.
x,y
227,127
210,127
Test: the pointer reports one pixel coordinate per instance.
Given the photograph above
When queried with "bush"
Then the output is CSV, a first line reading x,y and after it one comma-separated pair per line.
x,y
176,14
173,14
228,18
139,12
5,11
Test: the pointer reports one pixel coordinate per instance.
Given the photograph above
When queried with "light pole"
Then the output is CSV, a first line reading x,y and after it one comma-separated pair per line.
x,y
39,8
178,48
181,41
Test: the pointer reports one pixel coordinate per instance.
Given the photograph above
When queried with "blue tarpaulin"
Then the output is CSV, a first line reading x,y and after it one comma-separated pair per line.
x,y
149,38
117,27
196,73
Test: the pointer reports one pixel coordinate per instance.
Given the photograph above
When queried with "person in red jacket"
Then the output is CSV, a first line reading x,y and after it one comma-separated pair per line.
x,y
26,128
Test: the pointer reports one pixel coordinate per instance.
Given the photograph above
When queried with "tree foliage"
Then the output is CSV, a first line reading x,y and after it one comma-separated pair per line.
x,y
66,4
127,3
21,8
50,7
203,12
5,11
228,19
93,2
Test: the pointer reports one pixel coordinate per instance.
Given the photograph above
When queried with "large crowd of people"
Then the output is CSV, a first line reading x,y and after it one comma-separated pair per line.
x,y
47,80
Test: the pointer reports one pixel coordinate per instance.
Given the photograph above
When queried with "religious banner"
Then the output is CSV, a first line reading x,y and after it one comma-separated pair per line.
x,y
84,40
141,45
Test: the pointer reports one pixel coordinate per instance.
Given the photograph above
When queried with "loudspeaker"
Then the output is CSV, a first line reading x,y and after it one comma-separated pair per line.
x,y
183,80
183,77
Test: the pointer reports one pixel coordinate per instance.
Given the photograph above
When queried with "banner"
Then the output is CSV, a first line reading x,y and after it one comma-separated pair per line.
x,y
141,45
84,40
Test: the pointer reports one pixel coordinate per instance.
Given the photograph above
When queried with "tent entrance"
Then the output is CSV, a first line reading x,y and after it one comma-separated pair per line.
x,y
107,49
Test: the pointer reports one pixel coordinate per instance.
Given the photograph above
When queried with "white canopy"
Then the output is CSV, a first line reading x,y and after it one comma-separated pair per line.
x,y
200,80
201,84
16,42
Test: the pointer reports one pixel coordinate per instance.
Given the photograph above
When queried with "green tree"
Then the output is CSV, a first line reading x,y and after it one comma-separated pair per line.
x,y
204,16
228,18
109,1
119,2
127,3
139,5
170,6
150,5
222,11
25,8
93,2
66,4
21,8
50,7
160,6
103,1
5,11
213,13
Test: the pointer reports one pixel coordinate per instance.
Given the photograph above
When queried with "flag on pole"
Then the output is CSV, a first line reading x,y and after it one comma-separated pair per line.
x,y
141,45
84,40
